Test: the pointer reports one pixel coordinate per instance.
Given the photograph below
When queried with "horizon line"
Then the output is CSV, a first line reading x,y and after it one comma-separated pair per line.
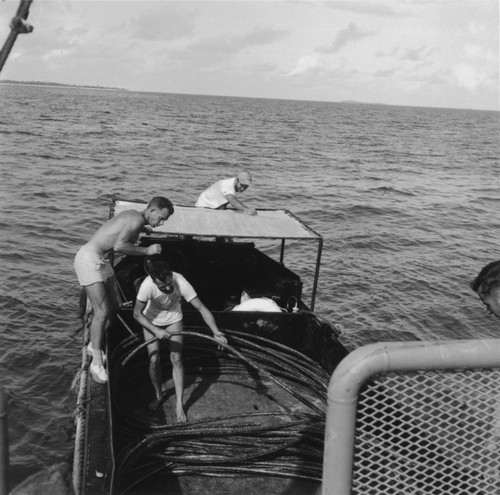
x,y
111,88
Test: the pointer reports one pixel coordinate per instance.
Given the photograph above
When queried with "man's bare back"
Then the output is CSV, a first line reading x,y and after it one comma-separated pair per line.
x,y
121,232
118,233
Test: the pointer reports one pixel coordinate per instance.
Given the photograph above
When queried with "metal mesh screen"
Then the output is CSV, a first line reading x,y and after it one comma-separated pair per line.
x,y
428,432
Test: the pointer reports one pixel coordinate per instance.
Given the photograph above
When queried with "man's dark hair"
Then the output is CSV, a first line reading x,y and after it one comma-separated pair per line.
x,y
487,279
157,267
160,202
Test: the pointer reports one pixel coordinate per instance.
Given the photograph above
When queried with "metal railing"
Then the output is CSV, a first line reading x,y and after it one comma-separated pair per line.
x,y
415,418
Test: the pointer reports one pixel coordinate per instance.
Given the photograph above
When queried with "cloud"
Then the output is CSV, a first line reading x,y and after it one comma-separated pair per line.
x,y
212,53
385,72
414,54
166,24
467,77
305,64
372,8
476,28
233,43
390,53
474,51
16,54
350,34
410,54
55,55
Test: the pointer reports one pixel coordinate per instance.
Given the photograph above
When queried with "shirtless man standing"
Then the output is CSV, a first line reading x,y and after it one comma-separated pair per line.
x,y
96,274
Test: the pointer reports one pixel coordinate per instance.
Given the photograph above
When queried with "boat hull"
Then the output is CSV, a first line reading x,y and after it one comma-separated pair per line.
x,y
256,407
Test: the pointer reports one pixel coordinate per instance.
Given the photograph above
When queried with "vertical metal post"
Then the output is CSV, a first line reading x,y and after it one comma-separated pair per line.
x,y
112,207
282,253
316,274
4,444
15,29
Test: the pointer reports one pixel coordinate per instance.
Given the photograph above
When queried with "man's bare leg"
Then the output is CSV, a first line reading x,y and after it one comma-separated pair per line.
x,y
101,310
155,375
178,371
154,369
178,376
99,301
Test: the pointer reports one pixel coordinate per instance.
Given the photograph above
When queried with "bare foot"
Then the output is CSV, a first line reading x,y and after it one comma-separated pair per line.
x,y
154,404
181,415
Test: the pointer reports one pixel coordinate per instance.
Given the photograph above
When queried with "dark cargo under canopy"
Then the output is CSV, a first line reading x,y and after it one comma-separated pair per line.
x,y
203,222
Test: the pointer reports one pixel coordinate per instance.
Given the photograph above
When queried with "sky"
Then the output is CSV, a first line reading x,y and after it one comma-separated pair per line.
x,y
432,53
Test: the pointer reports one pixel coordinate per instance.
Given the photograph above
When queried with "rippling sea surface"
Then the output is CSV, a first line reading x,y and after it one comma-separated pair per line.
x,y
407,200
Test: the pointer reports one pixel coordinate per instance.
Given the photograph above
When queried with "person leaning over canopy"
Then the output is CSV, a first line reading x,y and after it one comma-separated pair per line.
x,y
158,310
224,192
97,277
487,286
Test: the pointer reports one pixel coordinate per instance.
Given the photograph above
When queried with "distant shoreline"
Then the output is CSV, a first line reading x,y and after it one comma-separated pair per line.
x,y
51,84
341,102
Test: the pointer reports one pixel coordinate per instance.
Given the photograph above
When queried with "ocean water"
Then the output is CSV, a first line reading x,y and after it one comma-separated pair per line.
x,y
407,200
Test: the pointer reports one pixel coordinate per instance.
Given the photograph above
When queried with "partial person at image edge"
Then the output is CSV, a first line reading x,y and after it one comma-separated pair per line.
x,y
487,286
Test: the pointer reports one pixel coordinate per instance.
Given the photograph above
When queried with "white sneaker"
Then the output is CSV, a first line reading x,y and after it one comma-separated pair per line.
x,y
90,352
98,372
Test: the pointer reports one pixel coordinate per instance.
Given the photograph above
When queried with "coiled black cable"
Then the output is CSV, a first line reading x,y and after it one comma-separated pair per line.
x,y
281,444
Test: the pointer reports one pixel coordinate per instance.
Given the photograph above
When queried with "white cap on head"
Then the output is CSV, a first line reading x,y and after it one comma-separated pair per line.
x,y
245,178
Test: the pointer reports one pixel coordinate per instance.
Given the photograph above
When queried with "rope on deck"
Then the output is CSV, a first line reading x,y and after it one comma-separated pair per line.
x,y
18,25
80,414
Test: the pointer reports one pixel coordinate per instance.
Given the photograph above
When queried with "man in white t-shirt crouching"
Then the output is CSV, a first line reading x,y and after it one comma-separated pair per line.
x,y
219,195
158,310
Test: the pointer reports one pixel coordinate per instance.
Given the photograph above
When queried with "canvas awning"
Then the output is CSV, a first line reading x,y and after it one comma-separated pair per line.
x,y
189,220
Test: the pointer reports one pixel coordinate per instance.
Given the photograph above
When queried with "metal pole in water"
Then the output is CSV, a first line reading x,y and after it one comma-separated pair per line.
x,y
4,444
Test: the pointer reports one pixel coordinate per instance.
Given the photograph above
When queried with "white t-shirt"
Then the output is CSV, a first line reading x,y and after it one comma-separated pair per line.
x,y
263,304
215,195
164,309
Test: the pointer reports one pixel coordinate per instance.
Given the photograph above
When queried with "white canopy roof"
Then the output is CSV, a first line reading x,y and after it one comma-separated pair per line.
x,y
271,224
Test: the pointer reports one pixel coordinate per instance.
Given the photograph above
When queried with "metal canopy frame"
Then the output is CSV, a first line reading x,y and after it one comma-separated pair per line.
x,y
206,223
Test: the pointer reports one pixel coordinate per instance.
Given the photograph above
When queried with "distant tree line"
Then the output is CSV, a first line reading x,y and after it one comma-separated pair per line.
x,y
45,83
